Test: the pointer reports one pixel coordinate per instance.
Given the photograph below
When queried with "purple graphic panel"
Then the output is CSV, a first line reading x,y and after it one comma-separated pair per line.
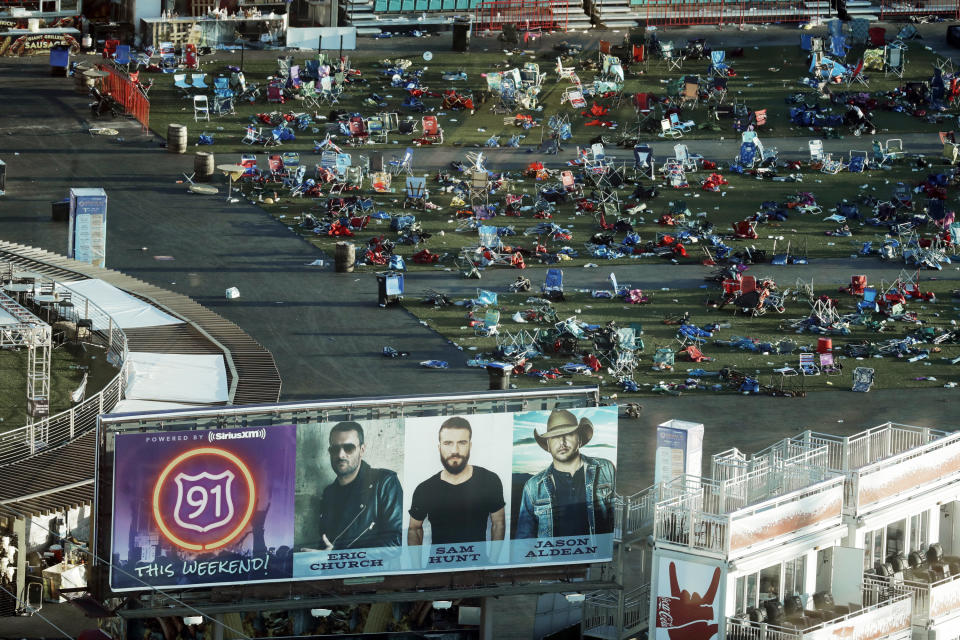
x,y
203,507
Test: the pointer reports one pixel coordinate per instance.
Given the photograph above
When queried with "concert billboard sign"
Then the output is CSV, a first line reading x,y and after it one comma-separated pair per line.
x,y
366,498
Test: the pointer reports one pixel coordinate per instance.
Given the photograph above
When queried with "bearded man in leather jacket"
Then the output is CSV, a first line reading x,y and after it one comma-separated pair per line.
x,y
362,508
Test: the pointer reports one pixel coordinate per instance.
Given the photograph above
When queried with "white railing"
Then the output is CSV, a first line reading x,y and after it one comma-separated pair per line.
x,y
933,600
59,429
874,602
600,609
848,453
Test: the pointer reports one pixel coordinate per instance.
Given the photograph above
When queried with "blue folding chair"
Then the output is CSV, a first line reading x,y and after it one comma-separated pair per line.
x,y
122,56
553,284
718,65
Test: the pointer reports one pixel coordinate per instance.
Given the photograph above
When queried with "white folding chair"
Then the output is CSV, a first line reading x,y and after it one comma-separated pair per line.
x,y
201,108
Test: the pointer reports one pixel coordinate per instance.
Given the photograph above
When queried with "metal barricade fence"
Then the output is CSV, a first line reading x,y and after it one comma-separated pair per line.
x,y
492,15
127,93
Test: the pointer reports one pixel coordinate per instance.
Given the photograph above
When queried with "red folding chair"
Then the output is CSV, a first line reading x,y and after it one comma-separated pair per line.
x,y
878,36
639,53
110,49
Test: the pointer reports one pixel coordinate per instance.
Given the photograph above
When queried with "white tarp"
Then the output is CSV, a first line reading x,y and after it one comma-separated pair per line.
x,y
174,377
139,406
127,312
327,37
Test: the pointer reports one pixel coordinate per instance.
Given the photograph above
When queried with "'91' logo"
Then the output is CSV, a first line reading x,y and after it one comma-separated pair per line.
x,y
203,499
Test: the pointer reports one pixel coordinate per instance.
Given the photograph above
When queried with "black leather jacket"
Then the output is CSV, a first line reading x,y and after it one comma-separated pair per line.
x,y
372,521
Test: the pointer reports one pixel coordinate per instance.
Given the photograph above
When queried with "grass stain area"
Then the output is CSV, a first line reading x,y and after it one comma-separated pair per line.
x,y
68,364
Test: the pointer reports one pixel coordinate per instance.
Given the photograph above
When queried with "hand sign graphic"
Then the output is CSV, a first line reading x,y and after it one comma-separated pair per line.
x,y
685,615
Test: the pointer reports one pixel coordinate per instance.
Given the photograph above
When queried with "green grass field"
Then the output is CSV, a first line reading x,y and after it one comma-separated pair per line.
x,y
68,364
766,76
891,371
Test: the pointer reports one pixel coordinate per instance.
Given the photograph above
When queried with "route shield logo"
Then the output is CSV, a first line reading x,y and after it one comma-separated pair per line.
x,y
204,498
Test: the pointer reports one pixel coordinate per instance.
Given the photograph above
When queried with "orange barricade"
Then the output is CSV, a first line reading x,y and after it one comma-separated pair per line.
x,y
127,93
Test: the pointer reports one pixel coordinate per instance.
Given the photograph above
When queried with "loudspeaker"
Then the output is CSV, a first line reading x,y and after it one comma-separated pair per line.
x,y
953,35
461,36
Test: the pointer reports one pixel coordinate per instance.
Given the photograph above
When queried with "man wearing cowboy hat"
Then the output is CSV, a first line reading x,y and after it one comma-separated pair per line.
x,y
574,495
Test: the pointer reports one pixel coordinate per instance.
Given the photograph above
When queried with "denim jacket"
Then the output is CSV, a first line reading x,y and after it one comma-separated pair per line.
x,y
539,495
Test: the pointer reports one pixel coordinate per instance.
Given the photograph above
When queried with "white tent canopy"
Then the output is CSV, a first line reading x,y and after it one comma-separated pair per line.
x,y
127,312
174,377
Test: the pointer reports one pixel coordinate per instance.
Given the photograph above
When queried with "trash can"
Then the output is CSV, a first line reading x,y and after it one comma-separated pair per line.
x,y
461,33
344,257
499,373
389,287
59,60
60,211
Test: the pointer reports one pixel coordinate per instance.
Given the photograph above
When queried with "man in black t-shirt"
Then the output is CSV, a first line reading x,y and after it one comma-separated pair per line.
x,y
460,499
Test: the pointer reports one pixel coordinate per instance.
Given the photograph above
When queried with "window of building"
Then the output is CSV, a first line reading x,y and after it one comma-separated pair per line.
x,y
919,531
772,583
896,538
873,549
794,576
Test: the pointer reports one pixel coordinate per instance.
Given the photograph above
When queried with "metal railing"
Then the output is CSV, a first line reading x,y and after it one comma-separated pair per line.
x,y
600,609
932,599
492,15
59,429
122,88
894,9
719,12
876,597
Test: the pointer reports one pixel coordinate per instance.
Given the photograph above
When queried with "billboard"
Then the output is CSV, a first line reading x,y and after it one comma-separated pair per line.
x,y
325,500
686,605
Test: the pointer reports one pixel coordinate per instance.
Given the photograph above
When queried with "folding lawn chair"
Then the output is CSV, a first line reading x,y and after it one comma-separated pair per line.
x,y
748,156
718,66
667,130
691,91
552,288
416,192
198,80
563,73
168,57
180,82
682,156
869,301
828,366
191,58
855,74
863,378
490,325
671,58
644,162
816,150
893,61
858,161
574,95
664,359
807,365
431,130
253,135
831,166
839,47
684,126
403,164
121,57
201,108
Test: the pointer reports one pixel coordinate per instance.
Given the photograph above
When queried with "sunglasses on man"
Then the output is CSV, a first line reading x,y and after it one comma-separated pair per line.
x,y
348,448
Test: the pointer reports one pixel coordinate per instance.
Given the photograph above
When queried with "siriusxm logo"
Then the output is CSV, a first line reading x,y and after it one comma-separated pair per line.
x,y
213,436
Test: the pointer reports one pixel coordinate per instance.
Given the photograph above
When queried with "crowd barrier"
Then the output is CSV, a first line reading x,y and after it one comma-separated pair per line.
x,y
127,93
